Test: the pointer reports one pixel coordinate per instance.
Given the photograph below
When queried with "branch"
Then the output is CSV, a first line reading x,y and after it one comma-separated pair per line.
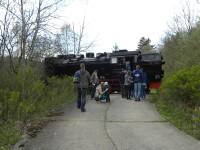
x,y
51,5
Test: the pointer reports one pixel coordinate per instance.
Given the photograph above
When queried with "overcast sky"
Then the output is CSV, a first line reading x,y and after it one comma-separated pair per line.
x,y
122,21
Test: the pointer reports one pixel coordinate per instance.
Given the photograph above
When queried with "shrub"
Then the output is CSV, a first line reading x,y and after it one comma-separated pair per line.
x,y
25,96
183,87
178,100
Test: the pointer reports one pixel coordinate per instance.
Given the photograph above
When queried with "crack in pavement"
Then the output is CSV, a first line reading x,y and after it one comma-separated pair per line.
x,y
110,121
105,128
154,121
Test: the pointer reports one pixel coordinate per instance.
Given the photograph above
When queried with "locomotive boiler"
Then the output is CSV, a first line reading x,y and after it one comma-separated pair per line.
x,y
109,65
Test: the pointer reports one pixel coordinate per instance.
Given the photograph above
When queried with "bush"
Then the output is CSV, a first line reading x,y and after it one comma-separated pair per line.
x,y
9,135
178,100
25,96
183,87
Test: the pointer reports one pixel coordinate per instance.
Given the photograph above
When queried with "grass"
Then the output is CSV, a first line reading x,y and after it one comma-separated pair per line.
x,y
182,118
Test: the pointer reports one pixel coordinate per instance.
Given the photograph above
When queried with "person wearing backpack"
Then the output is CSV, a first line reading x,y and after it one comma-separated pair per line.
x,y
82,80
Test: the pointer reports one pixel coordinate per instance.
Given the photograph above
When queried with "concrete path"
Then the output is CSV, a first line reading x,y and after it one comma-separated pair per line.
x,y
120,125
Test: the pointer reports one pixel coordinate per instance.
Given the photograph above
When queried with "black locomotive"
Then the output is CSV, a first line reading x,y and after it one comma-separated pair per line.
x,y
109,65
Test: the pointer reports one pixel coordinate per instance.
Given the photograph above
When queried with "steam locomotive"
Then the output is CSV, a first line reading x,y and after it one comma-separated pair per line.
x,y
109,65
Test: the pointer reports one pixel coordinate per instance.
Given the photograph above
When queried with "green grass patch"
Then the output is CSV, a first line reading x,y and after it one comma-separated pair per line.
x,y
185,119
153,91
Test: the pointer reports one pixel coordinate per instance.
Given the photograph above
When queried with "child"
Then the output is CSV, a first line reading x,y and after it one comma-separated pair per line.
x,y
106,92
98,91
102,92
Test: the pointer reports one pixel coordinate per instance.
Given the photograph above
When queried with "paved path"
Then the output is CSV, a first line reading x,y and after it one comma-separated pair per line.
x,y
121,125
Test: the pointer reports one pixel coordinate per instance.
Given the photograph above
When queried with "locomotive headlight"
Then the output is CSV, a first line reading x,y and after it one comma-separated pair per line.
x,y
157,76
113,60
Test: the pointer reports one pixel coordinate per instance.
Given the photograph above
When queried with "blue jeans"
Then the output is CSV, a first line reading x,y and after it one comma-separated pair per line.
x,y
81,101
137,90
143,93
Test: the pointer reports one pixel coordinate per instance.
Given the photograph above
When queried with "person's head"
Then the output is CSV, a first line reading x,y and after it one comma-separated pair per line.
x,y
82,66
137,67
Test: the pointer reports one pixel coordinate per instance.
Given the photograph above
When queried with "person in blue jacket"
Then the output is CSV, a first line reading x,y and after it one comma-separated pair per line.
x,y
138,80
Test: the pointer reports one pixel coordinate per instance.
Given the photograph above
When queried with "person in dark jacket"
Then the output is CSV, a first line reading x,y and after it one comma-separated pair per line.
x,y
122,88
82,80
127,83
138,80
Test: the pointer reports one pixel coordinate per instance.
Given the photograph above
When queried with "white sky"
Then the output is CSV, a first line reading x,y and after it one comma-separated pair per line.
x,y
122,21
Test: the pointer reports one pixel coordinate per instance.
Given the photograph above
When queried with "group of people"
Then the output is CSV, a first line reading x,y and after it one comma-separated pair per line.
x,y
133,83
82,80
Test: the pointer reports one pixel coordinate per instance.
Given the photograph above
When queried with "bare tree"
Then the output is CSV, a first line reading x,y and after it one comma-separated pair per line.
x,y
67,39
8,34
184,21
73,41
82,47
32,21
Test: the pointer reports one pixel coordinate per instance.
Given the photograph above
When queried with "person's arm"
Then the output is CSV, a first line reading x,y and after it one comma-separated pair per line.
x,y
88,76
130,80
97,80
92,78
142,76
133,76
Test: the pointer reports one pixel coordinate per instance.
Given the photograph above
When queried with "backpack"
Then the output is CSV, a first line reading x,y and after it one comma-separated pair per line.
x,y
76,78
